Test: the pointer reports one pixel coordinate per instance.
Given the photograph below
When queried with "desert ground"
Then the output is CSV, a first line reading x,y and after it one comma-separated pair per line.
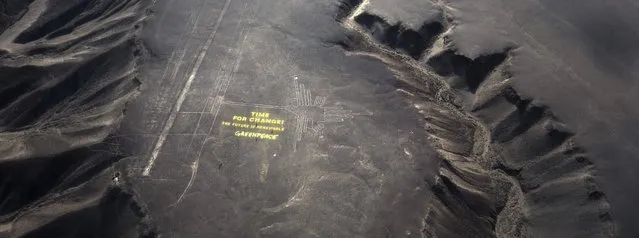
x,y
324,118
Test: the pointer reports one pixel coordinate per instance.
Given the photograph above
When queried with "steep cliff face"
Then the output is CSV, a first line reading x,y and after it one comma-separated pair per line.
x,y
67,69
510,167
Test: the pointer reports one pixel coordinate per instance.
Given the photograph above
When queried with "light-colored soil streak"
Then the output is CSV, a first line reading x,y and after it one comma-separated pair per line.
x,y
509,168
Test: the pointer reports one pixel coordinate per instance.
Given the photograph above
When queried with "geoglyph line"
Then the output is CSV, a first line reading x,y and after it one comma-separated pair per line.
x,y
220,94
183,92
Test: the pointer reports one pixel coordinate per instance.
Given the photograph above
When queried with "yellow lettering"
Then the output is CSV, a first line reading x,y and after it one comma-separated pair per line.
x,y
242,125
266,120
258,125
256,135
270,128
260,114
239,118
